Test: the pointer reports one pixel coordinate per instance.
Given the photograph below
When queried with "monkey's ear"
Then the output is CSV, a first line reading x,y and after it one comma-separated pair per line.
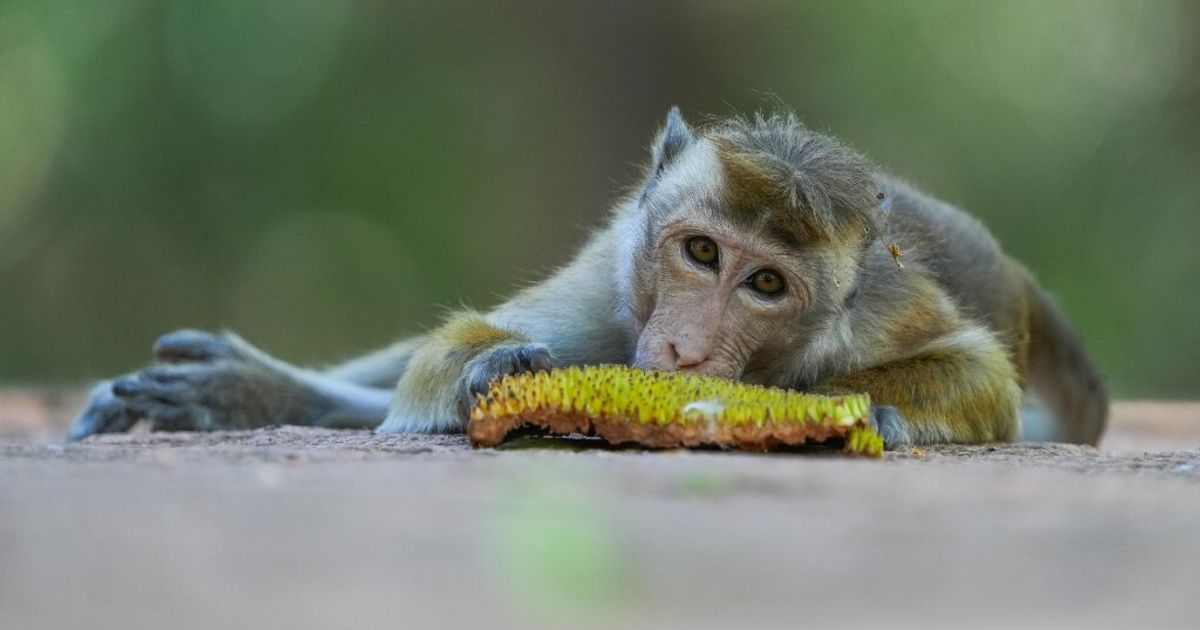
x,y
671,141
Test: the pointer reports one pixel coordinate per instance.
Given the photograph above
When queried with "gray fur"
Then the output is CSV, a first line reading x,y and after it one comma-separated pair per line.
x,y
674,138
381,368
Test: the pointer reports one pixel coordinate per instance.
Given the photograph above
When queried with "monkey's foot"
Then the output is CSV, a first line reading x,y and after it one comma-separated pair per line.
x,y
204,382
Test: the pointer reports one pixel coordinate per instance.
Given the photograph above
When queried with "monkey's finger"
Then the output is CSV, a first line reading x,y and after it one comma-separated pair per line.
x,y
504,360
478,381
534,359
172,390
192,346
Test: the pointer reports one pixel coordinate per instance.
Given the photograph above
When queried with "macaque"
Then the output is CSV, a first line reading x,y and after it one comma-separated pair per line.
x,y
751,249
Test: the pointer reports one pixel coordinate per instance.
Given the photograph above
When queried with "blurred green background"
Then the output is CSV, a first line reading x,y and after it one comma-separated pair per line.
x,y
323,176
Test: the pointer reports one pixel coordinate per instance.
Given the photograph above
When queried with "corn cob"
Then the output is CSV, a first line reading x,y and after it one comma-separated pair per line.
x,y
669,409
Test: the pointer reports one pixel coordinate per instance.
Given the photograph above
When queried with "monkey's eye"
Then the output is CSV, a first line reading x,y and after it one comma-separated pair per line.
x,y
702,250
766,282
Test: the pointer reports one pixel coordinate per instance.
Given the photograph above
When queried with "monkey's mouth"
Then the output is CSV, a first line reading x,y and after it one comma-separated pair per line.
x,y
708,368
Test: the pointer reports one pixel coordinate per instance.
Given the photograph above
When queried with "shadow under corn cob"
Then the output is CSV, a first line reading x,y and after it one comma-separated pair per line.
x,y
669,409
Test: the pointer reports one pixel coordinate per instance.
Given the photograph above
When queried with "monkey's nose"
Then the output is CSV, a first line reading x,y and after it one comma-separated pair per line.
x,y
687,358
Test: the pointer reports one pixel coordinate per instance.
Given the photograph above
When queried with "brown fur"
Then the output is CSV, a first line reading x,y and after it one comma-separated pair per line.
x,y
811,186
470,330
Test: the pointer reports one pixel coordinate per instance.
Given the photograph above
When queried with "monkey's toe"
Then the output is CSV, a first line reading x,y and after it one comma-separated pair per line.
x,y
193,346
104,413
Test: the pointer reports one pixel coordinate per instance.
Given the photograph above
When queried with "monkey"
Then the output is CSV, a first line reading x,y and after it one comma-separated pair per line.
x,y
751,248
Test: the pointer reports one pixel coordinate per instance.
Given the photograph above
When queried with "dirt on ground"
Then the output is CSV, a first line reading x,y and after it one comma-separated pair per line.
x,y
295,527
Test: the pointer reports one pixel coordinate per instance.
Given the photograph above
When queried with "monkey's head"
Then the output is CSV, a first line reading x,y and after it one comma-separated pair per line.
x,y
742,245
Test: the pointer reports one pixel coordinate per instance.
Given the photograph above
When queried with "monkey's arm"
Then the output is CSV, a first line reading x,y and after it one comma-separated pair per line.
x,y
567,319
205,381
934,373
961,388
381,368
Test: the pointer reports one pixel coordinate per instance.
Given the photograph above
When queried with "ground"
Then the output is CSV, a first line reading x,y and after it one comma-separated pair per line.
x,y
296,528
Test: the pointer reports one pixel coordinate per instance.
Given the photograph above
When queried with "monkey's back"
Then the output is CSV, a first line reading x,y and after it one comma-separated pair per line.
x,y
961,254
995,290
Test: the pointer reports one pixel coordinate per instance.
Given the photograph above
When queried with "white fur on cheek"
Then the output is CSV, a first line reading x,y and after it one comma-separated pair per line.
x,y
832,350
630,245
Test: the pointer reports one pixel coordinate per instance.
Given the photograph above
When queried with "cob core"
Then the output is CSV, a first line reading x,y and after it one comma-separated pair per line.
x,y
669,409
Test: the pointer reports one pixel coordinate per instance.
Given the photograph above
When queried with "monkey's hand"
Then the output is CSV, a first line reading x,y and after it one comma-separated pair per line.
x,y
202,382
891,425
438,389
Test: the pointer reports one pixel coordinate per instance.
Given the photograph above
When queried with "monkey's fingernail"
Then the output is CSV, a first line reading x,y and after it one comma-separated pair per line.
x,y
126,387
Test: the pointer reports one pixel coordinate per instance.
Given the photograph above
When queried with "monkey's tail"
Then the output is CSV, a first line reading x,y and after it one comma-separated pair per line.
x,y
1062,379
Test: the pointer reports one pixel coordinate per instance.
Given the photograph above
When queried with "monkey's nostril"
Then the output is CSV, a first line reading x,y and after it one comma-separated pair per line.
x,y
686,359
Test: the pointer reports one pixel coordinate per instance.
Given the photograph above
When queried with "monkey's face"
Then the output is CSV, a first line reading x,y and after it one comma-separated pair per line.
x,y
741,248
724,299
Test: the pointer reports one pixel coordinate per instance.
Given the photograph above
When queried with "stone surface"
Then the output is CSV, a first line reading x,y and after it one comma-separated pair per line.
x,y
297,528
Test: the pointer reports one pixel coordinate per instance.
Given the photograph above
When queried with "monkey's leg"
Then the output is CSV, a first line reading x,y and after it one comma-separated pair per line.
x,y
960,388
206,382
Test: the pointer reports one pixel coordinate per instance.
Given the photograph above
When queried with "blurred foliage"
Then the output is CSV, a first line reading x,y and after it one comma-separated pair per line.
x,y
323,176
555,558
